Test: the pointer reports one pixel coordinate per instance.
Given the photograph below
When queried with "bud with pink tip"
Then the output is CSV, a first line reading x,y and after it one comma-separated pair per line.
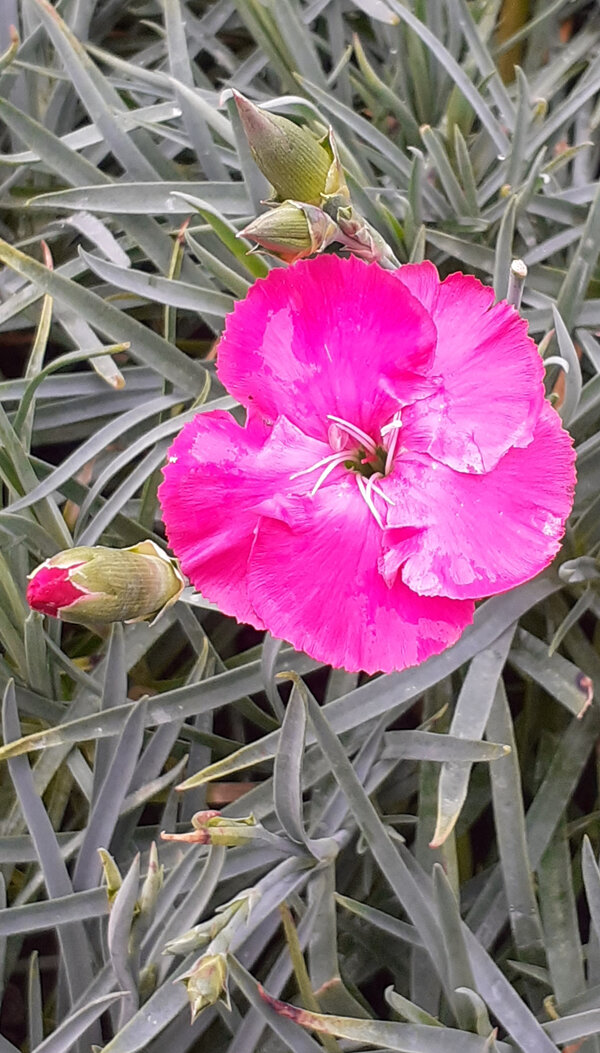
x,y
102,585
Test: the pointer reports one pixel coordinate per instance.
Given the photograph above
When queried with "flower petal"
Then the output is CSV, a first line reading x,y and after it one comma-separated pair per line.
x,y
217,476
313,580
492,374
50,590
323,337
481,534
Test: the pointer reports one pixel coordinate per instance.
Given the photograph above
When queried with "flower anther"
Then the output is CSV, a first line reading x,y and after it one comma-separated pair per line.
x,y
367,460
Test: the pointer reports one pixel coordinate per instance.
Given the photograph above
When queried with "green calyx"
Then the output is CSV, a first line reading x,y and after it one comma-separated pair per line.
x,y
294,162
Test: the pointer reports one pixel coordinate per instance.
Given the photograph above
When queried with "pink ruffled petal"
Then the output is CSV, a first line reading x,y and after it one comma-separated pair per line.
x,y
326,336
476,535
491,372
314,581
217,476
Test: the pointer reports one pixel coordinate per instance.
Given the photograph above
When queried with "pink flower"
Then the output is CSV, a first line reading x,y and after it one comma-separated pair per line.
x,y
398,462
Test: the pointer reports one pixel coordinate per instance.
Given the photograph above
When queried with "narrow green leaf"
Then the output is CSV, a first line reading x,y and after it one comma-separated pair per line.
x,y
227,233
58,911
385,922
162,290
488,121
574,286
428,746
35,1021
96,94
181,70
408,1010
591,880
504,249
119,942
470,716
146,345
141,199
287,770
296,1040
105,812
452,189
70,1030
509,819
573,378
559,917
74,944
457,955
377,9
559,677
94,445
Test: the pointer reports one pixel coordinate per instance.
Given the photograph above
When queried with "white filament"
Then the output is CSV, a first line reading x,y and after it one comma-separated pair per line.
x,y
367,487
366,495
334,461
392,429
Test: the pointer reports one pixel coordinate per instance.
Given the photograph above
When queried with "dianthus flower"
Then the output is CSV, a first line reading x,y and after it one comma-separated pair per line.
x,y
398,462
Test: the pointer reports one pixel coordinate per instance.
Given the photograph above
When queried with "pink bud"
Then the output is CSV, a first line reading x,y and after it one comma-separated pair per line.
x,y
51,590
102,585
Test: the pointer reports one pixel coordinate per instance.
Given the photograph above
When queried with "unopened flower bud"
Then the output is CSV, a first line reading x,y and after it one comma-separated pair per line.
x,y
196,937
210,828
290,157
540,109
105,585
112,875
228,916
292,230
147,981
152,885
206,982
360,238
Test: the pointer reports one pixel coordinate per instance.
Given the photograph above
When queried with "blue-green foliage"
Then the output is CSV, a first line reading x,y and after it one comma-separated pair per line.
x,y
117,135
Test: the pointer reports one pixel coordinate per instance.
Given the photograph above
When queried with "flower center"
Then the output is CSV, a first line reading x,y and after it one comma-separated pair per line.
x,y
359,453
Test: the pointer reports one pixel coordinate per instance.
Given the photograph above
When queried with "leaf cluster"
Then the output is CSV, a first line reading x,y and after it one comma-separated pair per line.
x,y
426,830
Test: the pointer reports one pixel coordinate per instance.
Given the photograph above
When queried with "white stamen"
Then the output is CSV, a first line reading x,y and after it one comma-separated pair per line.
x,y
365,493
378,490
373,488
392,426
337,458
393,429
338,431
337,439
356,432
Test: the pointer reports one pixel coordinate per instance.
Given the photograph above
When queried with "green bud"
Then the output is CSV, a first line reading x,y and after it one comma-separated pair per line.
x,y
195,938
210,828
206,982
540,109
292,230
290,157
103,585
228,916
147,981
152,885
112,875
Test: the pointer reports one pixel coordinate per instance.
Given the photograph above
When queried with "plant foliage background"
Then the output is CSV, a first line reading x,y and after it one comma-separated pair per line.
x,y
124,177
